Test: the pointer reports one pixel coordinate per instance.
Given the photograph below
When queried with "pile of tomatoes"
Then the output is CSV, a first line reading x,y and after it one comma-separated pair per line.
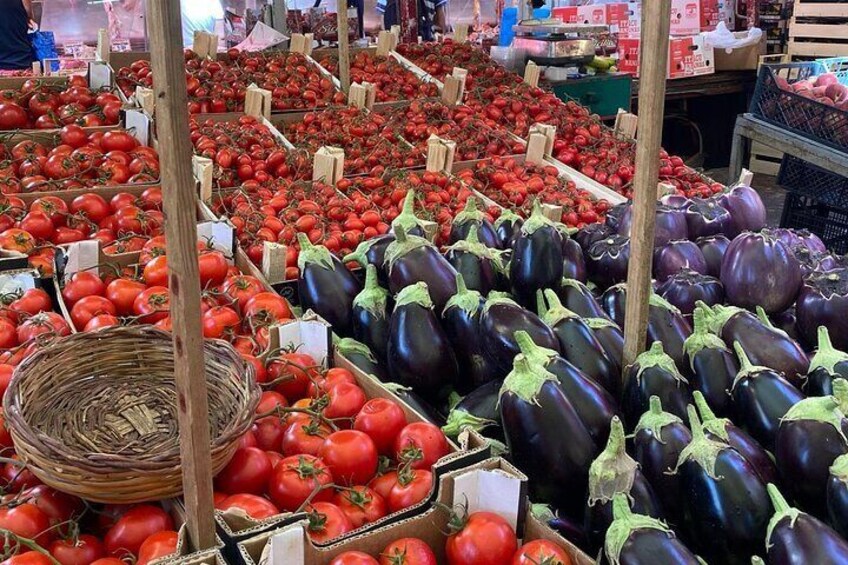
x,y
217,86
39,105
439,59
391,80
316,446
77,159
27,321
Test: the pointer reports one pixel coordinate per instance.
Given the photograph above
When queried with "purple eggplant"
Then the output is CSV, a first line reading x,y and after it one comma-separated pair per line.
x,y
635,539
470,217
573,262
797,538
536,261
706,217
407,220
361,357
711,365
808,259
761,397
578,343
508,227
570,529
500,319
373,252
793,238
370,317
758,270
747,211
763,343
615,472
725,503
461,322
607,260
420,355
614,215
658,440
577,297
654,373
676,256
785,322
713,248
611,339
477,263
546,437
676,201
837,495
411,259
811,436
614,302
670,225
590,233
326,286
722,429
826,365
823,301
478,411
685,288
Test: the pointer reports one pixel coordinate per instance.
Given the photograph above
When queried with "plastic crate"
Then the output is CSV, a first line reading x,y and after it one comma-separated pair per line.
x,y
837,66
807,117
805,179
827,222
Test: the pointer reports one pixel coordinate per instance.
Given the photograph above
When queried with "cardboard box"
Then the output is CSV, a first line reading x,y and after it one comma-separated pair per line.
x,y
687,56
625,18
685,17
714,11
741,59
591,14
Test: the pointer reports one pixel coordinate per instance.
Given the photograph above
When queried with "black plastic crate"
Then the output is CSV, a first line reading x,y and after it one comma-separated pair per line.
x,y
810,180
807,117
827,222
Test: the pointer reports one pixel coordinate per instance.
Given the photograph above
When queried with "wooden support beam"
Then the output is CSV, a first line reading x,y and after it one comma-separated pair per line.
x,y
180,203
653,63
344,46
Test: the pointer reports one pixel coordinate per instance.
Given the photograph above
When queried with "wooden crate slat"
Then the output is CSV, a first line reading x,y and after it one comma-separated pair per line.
x,y
820,10
814,49
819,31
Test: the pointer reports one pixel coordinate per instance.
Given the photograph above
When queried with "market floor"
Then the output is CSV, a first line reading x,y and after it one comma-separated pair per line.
x,y
772,195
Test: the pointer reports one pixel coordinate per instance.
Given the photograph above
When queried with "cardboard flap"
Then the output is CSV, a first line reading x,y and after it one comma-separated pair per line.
x,y
362,95
460,33
203,171
746,177
220,234
328,165
626,124
476,488
273,262
531,74
99,75
454,86
286,547
386,41
664,189
310,336
257,102
440,154
103,45
36,69
82,256
138,123
13,283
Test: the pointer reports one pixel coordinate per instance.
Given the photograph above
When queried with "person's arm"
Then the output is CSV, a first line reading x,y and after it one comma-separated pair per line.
x,y
28,7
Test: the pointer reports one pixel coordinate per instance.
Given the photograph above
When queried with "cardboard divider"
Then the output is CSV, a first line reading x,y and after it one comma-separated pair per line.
x,y
328,165
626,124
362,95
454,86
386,42
257,102
440,154
460,33
531,74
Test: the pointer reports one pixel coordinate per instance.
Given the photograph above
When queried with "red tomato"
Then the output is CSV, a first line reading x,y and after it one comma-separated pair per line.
x,y
267,308
541,551
408,551
108,561
220,322
80,285
152,305
326,522
330,378
155,273
304,435
270,400
32,302
351,457
421,444
345,401
26,521
133,527
412,486
213,268
45,323
269,433
382,419
361,505
382,484
88,307
295,478
292,373
58,506
122,293
354,558
247,472
81,551
483,539
28,558
239,289
254,506
156,546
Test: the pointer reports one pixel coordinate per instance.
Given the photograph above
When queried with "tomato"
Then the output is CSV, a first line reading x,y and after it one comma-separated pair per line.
x,y
267,308
19,240
412,486
156,546
254,506
152,304
345,401
8,334
361,505
408,551
80,551
382,419
31,302
304,436
28,558
269,433
351,457
45,323
122,293
421,444
92,206
37,224
27,521
541,551
295,479
108,561
483,538
58,506
329,379
247,472
291,372
118,140
12,116
239,289
326,522
354,558
88,307
155,272
133,527
270,400
15,477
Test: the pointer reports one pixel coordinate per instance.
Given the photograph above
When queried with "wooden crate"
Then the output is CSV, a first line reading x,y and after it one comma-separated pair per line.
x,y
818,29
764,160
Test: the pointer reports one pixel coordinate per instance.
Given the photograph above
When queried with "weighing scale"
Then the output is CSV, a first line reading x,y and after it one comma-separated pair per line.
x,y
554,43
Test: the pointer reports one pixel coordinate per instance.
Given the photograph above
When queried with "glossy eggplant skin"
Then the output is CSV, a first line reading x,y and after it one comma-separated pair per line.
x,y
373,252
577,297
827,364
837,496
654,547
712,373
479,410
599,516
713,247
420,405
820,382
461,322
485,231
421,262
667,325
614,303
583,350
499,321
329,292
797,538
644,380
372,330
570,530
361,357
479,273
573,262
507,229
536,262
611,339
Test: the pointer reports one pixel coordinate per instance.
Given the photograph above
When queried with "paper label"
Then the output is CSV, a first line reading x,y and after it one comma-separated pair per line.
x,y
16,283
307,336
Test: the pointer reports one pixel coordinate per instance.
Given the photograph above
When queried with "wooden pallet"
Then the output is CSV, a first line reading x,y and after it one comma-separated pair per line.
x,y
764,160
818,29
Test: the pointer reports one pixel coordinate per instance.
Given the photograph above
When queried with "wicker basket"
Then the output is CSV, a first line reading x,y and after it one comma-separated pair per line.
x,y
95,414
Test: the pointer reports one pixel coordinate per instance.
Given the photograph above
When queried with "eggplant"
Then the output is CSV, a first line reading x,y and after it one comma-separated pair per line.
x,y
326,286
797,538
373,252
685,288
361,357
810,437
568,528
722,429
370,319
470,217
676,201
711,365
590,233
658,441
545,436
578,343
417,403
758,270
827,364
615,472
706,217
654,374
577,297
614,302
411,259
785,322
607,260
477,263
508,227
713,248
461,322
761,397
837,495
808,260
500,319
670,225
614,214
747,211
676,256
536,261
573,262
611,339
420,354
823,301
635,539
478,411
407,221
726,506
763,343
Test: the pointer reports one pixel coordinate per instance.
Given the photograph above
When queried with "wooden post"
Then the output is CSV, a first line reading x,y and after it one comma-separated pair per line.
x,y
180,203
344,46
653,63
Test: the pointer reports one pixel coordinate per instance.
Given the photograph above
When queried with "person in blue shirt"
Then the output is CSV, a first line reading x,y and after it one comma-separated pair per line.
x,y
15,47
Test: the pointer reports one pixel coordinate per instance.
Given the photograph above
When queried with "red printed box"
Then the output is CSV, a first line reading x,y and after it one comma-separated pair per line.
x,y
687,56
685,17
581,14
714,11
625,18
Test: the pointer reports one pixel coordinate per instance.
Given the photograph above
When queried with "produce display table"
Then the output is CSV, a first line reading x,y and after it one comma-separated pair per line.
x,y
748,129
